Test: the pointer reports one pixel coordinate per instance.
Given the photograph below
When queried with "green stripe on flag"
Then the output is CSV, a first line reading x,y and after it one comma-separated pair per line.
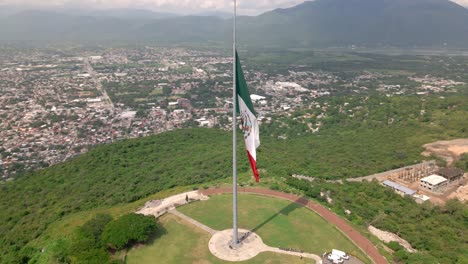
x,y
241,87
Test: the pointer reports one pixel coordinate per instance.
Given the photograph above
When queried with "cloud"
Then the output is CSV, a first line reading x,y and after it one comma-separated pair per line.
x,y
177,6
461,2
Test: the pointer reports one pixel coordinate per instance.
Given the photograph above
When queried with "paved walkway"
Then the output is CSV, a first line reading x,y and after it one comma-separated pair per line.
x,y
360,240
220,246
298,254
248,248
160,207
193,221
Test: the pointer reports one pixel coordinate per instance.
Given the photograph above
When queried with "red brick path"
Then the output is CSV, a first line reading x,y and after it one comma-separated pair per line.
x,y
360,240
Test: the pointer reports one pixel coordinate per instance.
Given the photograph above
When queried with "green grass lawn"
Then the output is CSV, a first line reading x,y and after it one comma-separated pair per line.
x,y
181,242
280,223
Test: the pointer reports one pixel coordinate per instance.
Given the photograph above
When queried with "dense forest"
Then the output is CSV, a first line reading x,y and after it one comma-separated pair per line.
x,y
379,134
346,146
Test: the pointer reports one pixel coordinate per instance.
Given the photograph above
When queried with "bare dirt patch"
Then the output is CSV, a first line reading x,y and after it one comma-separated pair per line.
x,y
461,193
448,150
388,237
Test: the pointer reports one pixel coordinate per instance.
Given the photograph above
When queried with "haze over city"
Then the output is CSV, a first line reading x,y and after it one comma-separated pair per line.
x,y
245,7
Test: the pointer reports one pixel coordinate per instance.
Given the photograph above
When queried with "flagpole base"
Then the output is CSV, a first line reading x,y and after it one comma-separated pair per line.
x,y
223,247
234,245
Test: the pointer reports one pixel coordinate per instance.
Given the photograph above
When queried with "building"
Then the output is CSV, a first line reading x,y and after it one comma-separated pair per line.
x,y
128,114
173,104
184,103
421,198
402,190
453,175
434,183
95,58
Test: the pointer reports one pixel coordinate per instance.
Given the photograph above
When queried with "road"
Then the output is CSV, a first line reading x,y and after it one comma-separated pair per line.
x,y
98,83
379,176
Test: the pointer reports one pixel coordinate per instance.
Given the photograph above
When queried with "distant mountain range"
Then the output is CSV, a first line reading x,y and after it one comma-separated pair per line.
x,y
321,23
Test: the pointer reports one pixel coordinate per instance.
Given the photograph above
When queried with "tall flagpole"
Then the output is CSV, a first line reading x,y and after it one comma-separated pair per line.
x,y
235,239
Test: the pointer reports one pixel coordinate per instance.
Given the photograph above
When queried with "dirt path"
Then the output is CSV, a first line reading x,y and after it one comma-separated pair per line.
x,y
360,240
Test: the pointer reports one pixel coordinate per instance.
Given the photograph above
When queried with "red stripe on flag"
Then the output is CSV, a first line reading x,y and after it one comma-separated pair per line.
x,y
253,164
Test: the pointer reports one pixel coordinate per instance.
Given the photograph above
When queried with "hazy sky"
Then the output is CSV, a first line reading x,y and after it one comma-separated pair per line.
x,y
251,7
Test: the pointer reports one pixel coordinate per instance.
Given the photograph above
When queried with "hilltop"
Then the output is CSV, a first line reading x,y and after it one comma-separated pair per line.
x,y
321,23
365,23
130,170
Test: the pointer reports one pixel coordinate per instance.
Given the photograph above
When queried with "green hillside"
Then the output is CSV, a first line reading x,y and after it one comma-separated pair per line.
x,y
108,175
129,170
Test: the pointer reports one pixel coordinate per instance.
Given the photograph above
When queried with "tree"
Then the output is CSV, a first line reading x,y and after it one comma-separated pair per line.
x,y
84,249
91,256
95,226
462,163
86,246
128,229
141,113
167,90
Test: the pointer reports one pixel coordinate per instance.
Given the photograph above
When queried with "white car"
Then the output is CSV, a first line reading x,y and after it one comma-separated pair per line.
x,y
335,258
340,253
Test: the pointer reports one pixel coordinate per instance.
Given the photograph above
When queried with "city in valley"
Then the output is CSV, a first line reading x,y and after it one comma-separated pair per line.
x,y
56,104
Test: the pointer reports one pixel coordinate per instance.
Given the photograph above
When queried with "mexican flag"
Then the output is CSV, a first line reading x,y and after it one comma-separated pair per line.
x,y
245,109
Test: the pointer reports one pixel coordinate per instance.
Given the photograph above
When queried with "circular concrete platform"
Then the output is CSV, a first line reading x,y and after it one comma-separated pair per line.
x,y
250,245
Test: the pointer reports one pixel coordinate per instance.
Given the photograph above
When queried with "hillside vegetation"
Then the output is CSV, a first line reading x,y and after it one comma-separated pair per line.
x,y
129,170
437,232
108,175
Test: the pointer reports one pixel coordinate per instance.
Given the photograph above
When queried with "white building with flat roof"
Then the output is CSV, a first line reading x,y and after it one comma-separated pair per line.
x,y
95,58
434,183
290,86
258,99
128,114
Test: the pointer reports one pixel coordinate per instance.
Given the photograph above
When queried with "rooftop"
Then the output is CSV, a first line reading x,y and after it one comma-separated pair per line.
x,y
399,187
434,179
450,173
256,97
